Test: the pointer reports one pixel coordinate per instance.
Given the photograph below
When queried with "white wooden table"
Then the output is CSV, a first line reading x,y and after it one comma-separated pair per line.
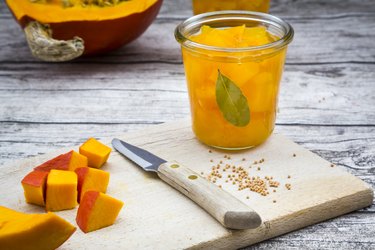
x,y
327,100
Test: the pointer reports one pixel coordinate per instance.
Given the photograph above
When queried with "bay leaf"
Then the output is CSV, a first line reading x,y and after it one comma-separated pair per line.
x,y
232,103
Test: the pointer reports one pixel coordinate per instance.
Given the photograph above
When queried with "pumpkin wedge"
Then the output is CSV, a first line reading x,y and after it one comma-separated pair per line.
x,y
32,231
62,30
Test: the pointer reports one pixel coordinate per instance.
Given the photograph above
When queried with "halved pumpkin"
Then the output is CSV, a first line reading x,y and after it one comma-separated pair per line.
x,y
103,25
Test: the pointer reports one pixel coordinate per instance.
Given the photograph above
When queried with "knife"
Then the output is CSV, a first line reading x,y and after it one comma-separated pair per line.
x,y
225,208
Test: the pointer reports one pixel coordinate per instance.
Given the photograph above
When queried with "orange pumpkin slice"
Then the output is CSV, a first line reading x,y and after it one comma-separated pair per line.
x,y
69,161
97,210
32,231
34,186
101,27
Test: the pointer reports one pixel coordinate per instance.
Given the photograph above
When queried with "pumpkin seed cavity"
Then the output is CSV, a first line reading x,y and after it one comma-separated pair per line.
x,y
83,3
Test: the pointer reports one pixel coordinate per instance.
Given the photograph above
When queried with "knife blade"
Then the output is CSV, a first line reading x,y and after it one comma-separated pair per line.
x,y
225,208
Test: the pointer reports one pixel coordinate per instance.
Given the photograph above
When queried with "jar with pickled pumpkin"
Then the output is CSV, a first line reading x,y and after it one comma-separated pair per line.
x,y
233,65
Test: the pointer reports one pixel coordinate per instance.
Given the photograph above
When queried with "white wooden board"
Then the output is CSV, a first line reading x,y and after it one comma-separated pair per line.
x,y
155,216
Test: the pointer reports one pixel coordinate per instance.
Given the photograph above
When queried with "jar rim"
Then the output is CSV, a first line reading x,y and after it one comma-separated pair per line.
x,y
235,14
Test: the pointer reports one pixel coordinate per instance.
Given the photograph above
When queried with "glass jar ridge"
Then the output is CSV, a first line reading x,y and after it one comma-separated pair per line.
x,y
232,18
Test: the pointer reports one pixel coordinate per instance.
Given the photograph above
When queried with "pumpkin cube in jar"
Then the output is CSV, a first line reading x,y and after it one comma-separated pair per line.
x,y
233,74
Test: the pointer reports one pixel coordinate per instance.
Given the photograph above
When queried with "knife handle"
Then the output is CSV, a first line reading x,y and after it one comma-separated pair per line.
x,y
228,210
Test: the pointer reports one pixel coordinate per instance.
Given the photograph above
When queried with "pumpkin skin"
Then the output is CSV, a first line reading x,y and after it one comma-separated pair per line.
x,y
99,36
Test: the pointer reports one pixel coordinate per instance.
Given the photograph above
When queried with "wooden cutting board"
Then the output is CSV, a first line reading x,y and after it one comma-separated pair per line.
x,y
156,216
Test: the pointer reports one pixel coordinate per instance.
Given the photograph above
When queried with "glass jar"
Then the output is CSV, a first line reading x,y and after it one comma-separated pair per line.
x,y
202,6
242,114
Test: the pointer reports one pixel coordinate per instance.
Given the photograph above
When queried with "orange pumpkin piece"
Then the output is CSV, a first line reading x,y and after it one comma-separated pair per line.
x,y
61,191
69,161
102,25
34,186
91,179
32,231
97,210
96,152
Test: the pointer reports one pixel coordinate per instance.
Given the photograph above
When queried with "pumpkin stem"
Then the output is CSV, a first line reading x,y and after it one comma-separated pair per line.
x,y
44,47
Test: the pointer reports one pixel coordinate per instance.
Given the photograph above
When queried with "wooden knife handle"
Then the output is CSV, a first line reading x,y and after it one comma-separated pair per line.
x,y
228,210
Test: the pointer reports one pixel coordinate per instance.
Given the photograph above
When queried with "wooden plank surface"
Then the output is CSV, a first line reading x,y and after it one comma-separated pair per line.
x,y
158,43
332,57
318,192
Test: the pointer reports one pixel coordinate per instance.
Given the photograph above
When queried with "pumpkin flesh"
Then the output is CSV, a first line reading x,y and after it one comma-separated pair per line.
x,y
54,12
102,28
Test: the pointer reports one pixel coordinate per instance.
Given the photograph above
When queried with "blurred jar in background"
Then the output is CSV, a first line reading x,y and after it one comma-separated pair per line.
x,y
202,6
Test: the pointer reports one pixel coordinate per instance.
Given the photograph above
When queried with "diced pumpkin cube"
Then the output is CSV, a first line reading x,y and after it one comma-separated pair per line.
x,y
32,231
91,179
96,152
61,191
34,186
97,210
69,161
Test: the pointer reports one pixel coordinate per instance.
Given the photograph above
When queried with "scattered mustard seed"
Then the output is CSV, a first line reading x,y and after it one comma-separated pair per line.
x,y
241,178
